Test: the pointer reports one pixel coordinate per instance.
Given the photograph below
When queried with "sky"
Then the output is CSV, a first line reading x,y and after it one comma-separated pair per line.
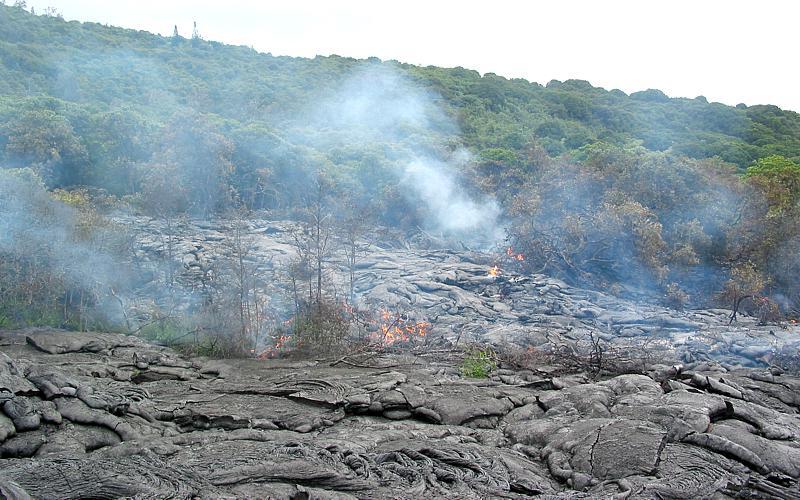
x,y
729,51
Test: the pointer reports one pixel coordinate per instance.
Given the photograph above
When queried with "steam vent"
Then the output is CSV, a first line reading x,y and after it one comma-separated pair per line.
x,y
243,268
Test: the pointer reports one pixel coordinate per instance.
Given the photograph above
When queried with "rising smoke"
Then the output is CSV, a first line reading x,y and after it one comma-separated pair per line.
x,y
379,105
51,251
453,211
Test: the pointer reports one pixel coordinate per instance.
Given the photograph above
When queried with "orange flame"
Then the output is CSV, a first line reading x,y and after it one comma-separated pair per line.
x,y
272,352
393,328
494,270
516,256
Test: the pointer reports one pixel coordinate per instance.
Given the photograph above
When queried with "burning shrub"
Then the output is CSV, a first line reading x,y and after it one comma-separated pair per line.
x,y
513,255
330,328
279,343
397,327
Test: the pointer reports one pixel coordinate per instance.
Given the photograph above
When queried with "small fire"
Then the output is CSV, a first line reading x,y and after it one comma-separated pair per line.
x,y
272,352
516,256
494,270
394,328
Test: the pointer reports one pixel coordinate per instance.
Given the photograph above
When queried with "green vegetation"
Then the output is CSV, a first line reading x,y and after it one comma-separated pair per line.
x,y
45,248
88,104
478,363
678,197
779,179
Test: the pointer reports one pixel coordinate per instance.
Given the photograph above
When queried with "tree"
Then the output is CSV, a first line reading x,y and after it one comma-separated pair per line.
x,y
320,322
202,160
312,239
52,12
317,232
241,286
166,199
778,180
746,282
353,223
195,34
176,37
46,141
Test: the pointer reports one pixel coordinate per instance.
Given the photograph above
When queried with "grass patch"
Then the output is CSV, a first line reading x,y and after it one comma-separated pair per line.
x,y
165,332
479,363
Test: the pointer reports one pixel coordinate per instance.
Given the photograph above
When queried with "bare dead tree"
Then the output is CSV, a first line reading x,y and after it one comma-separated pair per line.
x,y
314,237
354,222
321,321
238,303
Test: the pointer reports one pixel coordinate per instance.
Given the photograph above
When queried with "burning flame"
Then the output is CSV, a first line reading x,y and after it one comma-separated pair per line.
x,y
516,256
394,328
272,352
511,254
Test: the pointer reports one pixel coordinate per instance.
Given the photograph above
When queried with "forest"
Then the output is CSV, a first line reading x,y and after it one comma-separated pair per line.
x,y
690,202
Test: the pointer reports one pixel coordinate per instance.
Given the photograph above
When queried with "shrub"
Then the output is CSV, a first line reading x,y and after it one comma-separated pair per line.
x,y
166,331
767,310
675,297
321,328
478,363
590,354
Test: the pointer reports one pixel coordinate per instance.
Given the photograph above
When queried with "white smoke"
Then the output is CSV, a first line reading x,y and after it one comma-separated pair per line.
x,y
453,210
379,104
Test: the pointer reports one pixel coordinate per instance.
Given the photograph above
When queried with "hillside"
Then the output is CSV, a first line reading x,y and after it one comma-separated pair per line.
x,y
82,71
688,202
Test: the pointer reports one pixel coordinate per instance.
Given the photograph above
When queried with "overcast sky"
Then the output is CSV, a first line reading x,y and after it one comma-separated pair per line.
x,y
730,51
